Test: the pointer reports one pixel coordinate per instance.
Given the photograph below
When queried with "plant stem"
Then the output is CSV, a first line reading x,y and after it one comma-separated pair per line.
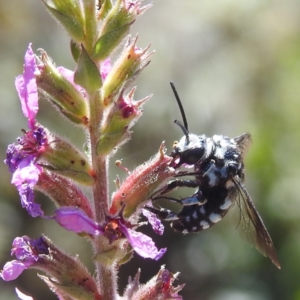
x,y
106,277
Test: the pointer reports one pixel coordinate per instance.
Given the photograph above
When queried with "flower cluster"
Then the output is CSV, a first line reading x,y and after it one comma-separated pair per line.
x,y
98,97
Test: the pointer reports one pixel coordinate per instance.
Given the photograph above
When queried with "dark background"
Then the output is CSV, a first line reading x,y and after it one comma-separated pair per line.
x,y
236,65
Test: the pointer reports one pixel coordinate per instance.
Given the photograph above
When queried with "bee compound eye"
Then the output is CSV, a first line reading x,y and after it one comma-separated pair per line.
x,y
190,157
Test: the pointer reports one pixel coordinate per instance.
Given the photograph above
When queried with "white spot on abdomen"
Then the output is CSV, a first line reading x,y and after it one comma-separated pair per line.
x,y
195,215
202,210
215,217
227,203
204,224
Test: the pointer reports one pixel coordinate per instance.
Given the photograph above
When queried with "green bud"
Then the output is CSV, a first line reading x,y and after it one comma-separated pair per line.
x,y
63,158
114,29
87,74
122,115
131,62
104,7
90,23
61,92
70,16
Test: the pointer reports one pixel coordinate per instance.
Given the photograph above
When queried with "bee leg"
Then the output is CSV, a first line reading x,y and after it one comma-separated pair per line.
x,y
172,186
192,201
162,213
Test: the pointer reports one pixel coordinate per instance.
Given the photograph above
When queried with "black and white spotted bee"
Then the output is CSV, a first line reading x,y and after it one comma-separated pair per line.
x,y
218,176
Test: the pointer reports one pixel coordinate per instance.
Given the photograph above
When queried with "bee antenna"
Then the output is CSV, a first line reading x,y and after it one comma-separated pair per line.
x,y
181,109
185,131
183,126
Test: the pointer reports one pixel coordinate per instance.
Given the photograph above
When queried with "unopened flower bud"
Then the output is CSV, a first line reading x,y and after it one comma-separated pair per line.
x,y
63,192
63,158
116,23
159,287
62,93
115,130
131,62
70,16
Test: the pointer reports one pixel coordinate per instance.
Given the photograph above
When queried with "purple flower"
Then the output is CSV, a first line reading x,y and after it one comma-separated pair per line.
x,y
21,156
27,253
27,88
76,220
142,244
25,178
155,223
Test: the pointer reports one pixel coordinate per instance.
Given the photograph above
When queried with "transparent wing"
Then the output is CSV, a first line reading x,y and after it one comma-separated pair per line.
x,y
251,225
244,142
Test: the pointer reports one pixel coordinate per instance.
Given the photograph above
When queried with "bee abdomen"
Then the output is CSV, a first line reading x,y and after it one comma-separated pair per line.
x,y
196,218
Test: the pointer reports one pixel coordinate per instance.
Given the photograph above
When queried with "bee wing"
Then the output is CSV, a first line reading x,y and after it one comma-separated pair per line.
x,y
252,226
244,142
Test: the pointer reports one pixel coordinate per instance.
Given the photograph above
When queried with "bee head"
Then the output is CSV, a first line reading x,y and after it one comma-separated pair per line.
x,y
191,152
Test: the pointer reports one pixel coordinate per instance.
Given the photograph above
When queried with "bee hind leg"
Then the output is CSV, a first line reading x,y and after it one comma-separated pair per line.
x,y
162,213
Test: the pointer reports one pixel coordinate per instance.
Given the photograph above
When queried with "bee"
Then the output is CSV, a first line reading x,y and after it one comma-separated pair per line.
x,y
218,176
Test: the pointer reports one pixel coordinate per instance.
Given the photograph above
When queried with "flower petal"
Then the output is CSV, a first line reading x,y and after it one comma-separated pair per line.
x,y
143,245
69,75
27,88
155,223
13,269
76,220
105,68
25,178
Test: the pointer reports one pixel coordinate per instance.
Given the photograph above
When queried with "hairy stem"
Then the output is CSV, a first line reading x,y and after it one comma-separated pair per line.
x,y
106,277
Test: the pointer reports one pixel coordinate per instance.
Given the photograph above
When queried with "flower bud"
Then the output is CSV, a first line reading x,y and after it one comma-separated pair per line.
x,y
104,7
70,16
64,291
114,29
121,117
69,275
61,157
142,182
131,62
159,287
61,92
63,192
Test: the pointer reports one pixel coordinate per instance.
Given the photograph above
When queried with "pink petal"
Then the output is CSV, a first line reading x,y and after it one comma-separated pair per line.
x,y
69,75
105,68
143,245
27,172
27,88
155,223
12,270
76,220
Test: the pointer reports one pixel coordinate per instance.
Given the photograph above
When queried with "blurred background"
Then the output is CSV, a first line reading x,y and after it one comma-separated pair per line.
x,y
236,66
